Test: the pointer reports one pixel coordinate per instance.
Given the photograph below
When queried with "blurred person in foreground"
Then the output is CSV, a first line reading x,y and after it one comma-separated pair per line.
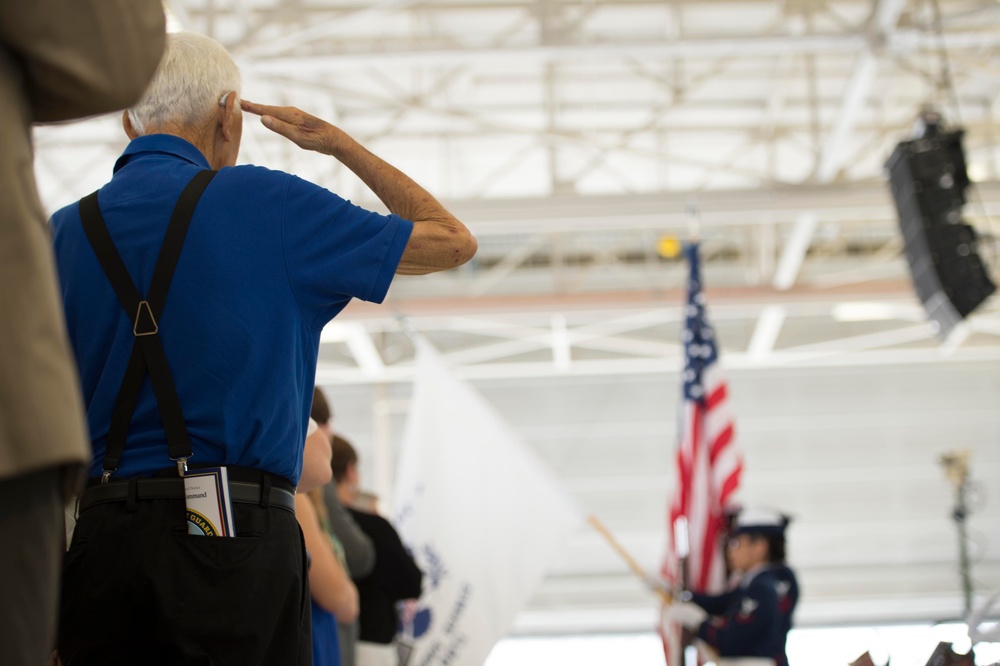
x,y
59,60
334,596
395,576
195,292
357,547
749,624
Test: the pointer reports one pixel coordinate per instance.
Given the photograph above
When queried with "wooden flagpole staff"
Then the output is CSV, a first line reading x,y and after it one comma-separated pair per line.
x,y
625,555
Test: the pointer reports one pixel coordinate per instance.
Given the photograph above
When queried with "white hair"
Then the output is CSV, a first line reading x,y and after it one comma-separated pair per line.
x,y
194,73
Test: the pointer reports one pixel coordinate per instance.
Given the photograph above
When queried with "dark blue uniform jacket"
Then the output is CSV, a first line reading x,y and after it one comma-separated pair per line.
x,y
746,621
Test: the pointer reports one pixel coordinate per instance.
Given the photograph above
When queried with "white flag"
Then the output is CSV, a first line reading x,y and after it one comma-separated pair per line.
x,y
482,513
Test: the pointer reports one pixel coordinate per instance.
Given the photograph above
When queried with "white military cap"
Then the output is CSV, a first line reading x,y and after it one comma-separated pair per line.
x,y
760,520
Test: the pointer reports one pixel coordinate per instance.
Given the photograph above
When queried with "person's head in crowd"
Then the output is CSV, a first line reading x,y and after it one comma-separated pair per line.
x,y
315,470
194,95
344,465
321,412
756,538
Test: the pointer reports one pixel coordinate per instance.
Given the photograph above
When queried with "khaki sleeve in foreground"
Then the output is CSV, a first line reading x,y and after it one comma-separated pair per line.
x,y
83,57
59,60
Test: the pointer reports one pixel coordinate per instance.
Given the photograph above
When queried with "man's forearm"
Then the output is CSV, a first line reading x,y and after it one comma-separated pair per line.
x,y
439,239
400,194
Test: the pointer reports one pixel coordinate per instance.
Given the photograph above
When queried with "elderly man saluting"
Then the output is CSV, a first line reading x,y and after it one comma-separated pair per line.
x,y
195,292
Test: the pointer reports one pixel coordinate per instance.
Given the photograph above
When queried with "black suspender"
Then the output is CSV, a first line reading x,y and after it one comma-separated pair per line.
x,y
147,350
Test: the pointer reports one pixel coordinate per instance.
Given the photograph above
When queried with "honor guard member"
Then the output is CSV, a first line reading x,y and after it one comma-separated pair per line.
x,y
787,585
195,292
745,626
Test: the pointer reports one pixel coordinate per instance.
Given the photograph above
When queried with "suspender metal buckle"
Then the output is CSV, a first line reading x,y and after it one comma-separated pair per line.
x,y
145,322
182,466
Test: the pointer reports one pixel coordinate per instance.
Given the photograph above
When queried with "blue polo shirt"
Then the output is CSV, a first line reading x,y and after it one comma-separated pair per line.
x,y
269,259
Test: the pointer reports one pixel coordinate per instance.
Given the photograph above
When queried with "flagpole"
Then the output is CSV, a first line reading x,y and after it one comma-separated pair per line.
x,y
682,545
694,219
625,555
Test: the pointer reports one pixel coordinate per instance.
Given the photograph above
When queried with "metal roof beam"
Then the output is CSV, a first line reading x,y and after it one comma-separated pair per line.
x,y
901,43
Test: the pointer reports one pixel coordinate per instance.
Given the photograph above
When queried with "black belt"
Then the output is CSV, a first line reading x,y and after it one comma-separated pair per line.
x,y
154,489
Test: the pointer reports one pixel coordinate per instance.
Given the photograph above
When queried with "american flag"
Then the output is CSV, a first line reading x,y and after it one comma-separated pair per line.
x,y
708,462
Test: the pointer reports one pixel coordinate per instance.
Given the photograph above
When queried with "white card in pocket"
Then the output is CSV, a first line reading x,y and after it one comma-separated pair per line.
x,y
209,509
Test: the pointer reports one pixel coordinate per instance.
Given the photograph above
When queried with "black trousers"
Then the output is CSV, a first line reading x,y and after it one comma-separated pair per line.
x,y
137,589
31,522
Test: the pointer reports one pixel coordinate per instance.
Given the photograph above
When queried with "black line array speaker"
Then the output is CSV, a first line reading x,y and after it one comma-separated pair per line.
x,y
928,181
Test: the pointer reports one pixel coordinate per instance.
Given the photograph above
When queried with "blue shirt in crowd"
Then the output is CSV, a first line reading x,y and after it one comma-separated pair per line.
x,y
325,642
269,259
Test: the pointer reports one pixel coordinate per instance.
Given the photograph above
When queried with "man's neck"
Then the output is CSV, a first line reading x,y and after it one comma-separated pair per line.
x,y
196,138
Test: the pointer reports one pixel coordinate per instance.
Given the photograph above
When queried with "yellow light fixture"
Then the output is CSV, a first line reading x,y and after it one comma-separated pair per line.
x,y
668,247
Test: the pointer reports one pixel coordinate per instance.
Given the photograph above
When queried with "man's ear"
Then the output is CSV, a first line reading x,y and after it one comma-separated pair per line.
x,y
227,115
127,125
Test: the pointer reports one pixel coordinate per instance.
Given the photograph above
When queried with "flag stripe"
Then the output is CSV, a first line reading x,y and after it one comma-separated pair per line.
x,y
708,546
731,483
717,396
720,443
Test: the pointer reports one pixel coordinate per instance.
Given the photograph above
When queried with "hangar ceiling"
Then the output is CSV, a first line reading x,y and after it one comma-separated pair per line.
x,y
579,139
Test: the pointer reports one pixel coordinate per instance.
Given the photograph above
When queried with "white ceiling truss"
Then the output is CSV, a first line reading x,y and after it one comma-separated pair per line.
x,y
580,140
640,338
